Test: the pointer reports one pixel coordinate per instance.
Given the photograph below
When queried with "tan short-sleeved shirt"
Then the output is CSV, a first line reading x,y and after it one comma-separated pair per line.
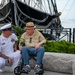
x,y
35,38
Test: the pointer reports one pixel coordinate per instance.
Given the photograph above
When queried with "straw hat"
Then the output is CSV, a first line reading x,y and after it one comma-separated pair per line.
x,y
30,25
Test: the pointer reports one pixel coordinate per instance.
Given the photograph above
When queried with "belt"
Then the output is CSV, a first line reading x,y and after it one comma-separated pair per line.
x,y
31,47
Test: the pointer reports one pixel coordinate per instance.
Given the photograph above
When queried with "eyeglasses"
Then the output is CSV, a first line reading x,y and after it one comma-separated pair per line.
x,y
30,41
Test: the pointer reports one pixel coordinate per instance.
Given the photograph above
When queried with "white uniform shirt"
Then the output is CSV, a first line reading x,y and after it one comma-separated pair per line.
x,y
6,44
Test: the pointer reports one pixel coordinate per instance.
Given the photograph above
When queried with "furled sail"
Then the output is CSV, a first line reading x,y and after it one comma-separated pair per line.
x,y
25,12
4,11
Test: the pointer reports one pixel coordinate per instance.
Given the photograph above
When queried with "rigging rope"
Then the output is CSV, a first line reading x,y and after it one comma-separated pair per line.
x,y
31,17
65,5
67,14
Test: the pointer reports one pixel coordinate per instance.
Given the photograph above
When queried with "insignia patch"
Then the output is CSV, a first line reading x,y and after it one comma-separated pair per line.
x,y
3,43
12,40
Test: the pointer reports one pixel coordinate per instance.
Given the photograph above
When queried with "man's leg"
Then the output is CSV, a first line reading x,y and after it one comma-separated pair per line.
x,y
25,57
16,58
2,64
39,55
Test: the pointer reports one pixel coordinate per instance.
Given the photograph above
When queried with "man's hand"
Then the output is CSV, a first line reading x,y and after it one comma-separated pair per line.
x,y
20,47
40,43
10,61
37,46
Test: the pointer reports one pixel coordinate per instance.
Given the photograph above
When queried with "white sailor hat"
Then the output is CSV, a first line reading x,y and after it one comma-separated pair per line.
x,y
6,26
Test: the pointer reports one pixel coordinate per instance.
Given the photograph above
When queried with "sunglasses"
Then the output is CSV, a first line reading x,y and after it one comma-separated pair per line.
x,y
30,41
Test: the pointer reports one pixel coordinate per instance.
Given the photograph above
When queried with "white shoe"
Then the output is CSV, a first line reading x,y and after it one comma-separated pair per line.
x,y
1,70
8,71
11,70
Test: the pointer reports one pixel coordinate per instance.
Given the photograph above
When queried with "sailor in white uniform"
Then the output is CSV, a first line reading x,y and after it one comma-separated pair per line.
x,y
8,54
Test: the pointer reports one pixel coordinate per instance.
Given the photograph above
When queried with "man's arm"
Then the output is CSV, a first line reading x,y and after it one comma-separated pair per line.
x,y
42,42
3,56
22,41
20,45
6,57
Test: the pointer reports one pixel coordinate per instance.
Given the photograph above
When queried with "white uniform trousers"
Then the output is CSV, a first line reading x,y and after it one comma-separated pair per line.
x,y
15,60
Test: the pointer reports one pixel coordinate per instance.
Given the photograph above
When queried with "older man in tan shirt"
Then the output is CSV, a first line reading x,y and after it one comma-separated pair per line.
x,y
33,40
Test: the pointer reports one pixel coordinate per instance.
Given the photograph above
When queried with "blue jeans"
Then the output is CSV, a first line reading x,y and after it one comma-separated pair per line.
x,y
26,52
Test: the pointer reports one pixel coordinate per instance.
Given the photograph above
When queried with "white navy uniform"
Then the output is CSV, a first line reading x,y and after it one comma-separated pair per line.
x,y
6,47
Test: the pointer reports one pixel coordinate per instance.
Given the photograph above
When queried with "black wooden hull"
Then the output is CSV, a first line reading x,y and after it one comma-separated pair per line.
x,y
38,17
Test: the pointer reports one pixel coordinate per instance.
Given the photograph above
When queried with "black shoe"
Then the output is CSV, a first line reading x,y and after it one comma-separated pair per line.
x,y
26,68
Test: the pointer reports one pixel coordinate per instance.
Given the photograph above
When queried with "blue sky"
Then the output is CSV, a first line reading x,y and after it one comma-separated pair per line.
x,y
67,7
